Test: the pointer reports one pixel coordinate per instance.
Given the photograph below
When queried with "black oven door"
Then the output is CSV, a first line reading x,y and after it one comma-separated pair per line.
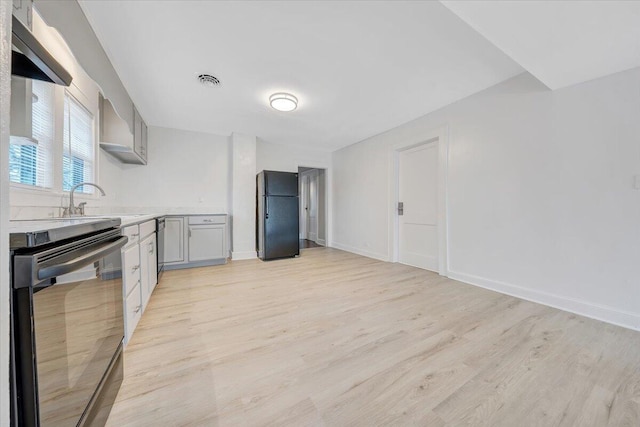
x,y
68,328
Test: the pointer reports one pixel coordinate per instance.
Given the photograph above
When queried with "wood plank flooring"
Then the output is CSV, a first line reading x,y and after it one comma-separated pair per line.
x,y
306,244
336,339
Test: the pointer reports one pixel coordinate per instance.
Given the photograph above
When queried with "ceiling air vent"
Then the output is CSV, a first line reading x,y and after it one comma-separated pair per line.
x,y
209,80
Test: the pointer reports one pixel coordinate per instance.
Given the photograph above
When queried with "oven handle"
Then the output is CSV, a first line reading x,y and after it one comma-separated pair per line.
x,y
81,261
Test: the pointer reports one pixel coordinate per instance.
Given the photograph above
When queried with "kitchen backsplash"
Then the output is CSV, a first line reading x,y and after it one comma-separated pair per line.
x,y
42,212
35,212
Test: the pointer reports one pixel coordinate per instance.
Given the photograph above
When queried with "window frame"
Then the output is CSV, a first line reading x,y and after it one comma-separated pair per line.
x,y
73,98
57,152
49,180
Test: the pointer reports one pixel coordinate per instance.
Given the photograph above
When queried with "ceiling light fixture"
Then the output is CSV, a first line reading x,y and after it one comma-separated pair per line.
x,y
283,101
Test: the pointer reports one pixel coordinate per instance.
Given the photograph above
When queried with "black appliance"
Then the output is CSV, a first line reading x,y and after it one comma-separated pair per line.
x,y
160,225
67,323
30,59
277,224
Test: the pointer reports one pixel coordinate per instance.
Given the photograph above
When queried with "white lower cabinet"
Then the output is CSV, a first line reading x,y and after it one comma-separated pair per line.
x,y
152,247
149,267
139,272
133,311
174,239
131,268
195,241
206,242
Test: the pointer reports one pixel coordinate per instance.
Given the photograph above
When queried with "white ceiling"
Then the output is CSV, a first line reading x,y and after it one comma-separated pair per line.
x,y
560,42
358,68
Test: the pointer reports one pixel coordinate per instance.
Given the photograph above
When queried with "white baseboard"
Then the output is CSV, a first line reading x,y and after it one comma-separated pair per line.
x,y
321,242
240,255
583,308
359,251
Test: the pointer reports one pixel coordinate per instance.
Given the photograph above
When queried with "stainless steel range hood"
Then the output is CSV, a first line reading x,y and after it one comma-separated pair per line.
x,y
30,59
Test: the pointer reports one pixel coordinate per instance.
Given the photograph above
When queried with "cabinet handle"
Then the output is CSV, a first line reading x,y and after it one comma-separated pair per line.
x,y
189,232
138,308
151,247
207,220
135,234
134,268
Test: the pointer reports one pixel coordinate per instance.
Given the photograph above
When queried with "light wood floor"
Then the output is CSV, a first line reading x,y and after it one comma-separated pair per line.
x,y
336,339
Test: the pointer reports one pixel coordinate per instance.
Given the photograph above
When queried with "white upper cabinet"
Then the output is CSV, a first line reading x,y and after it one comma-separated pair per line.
x,y
139,135
116,137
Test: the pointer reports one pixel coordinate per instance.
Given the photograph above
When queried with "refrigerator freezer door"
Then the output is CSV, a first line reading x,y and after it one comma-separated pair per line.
x,y
281,227
281,183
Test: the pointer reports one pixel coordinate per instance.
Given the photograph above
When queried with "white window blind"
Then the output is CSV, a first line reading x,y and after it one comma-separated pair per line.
x,y
33,164
78,146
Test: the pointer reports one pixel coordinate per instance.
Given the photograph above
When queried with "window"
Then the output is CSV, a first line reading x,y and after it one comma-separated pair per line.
x,y
32,164
78,147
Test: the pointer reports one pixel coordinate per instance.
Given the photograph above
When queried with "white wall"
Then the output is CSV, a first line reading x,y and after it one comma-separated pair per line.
x,y
285,158
540,192
186,171
243,196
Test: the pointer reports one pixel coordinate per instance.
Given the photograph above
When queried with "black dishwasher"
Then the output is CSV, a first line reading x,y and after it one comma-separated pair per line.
x,y
160,224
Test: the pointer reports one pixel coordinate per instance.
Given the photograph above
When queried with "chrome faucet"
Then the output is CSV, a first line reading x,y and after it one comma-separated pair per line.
x,y
72,209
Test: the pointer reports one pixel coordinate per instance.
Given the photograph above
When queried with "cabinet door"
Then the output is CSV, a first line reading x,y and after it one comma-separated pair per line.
x,y
150,248
143,142
132,312
206,242
174,240
130,268
137,133
144,271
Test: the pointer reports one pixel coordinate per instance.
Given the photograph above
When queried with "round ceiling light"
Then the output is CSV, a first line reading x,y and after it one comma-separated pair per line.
x,y
283,101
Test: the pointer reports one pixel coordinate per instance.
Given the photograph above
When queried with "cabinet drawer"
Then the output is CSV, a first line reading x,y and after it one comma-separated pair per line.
x,y
133,233
207,219
146,228
131,268
133,311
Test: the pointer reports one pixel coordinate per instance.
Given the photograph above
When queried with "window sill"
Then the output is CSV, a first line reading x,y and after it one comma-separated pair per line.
x,y
42,191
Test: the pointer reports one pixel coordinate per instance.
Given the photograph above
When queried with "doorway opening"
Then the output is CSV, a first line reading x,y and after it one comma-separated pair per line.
x,y
313,207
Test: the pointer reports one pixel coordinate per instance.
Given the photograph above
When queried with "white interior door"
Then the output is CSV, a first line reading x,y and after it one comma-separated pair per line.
x,y
312,225
304,204
418,193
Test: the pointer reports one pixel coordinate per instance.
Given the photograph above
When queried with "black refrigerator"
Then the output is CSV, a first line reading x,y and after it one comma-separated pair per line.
x,y
277,224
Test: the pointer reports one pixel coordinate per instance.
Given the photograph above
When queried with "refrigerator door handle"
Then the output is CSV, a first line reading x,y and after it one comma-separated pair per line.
x,y
266,207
